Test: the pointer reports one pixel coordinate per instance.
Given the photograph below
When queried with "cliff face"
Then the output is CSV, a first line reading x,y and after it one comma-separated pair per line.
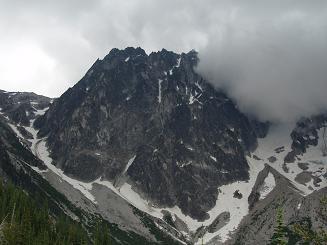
x,y
152,121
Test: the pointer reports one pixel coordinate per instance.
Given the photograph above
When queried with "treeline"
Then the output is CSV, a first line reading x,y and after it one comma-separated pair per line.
x,y
26,220
301,232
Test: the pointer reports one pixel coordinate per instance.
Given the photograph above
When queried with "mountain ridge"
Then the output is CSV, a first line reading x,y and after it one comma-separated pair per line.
x,y
130,104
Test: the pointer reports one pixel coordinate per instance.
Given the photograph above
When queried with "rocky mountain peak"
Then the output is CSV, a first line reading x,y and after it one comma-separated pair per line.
x,y
152,122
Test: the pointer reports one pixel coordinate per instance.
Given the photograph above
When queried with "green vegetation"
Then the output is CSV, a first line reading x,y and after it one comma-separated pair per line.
x,y
37,195
300,232
28,221
306,234
279,236
161,237
101,233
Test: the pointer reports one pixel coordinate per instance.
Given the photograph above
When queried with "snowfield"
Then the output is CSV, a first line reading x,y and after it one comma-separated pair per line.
x,y
237,208
268,186
33,131
42,152
279,137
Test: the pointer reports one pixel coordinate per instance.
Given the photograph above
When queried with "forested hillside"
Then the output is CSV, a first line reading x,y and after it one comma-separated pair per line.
x,y
26,220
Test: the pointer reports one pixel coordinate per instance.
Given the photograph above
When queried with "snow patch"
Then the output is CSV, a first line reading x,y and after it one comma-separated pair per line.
x,y
191,100
268,186
33,132
178,62
184,164
159,87
299,206
40,149
43,153
198,85
213,158
189,148
137,201
130,161
14,128
41,112
36,169
226,202
279,136
1,113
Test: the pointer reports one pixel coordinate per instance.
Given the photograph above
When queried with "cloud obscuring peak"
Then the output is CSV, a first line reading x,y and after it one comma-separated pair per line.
x,y
272,63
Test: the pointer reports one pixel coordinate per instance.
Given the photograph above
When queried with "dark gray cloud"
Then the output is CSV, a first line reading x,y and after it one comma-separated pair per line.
x,y
270,56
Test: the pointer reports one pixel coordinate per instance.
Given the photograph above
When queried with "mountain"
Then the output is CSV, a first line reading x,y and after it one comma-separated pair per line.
x,y
150,121
148,144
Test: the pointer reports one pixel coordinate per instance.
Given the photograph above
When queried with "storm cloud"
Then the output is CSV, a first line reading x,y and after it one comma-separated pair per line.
x,y
269,56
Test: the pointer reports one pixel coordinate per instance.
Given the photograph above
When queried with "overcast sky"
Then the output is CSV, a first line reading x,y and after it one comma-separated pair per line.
x,y
270,56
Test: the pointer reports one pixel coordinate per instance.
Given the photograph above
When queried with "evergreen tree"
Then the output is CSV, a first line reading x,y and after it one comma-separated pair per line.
x,y
25,221
101,233
313,237
279,237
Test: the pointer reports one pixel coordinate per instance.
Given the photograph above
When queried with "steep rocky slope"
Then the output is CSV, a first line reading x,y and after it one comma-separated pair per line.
x,y
258,226
18,165
153,122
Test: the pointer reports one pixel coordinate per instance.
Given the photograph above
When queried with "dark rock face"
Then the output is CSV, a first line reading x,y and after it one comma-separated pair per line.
x,y
187,138
219,222
20,107
306,134
238,194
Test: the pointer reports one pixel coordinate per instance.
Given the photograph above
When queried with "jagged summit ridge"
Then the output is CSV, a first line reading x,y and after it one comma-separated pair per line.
x,y
186,137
